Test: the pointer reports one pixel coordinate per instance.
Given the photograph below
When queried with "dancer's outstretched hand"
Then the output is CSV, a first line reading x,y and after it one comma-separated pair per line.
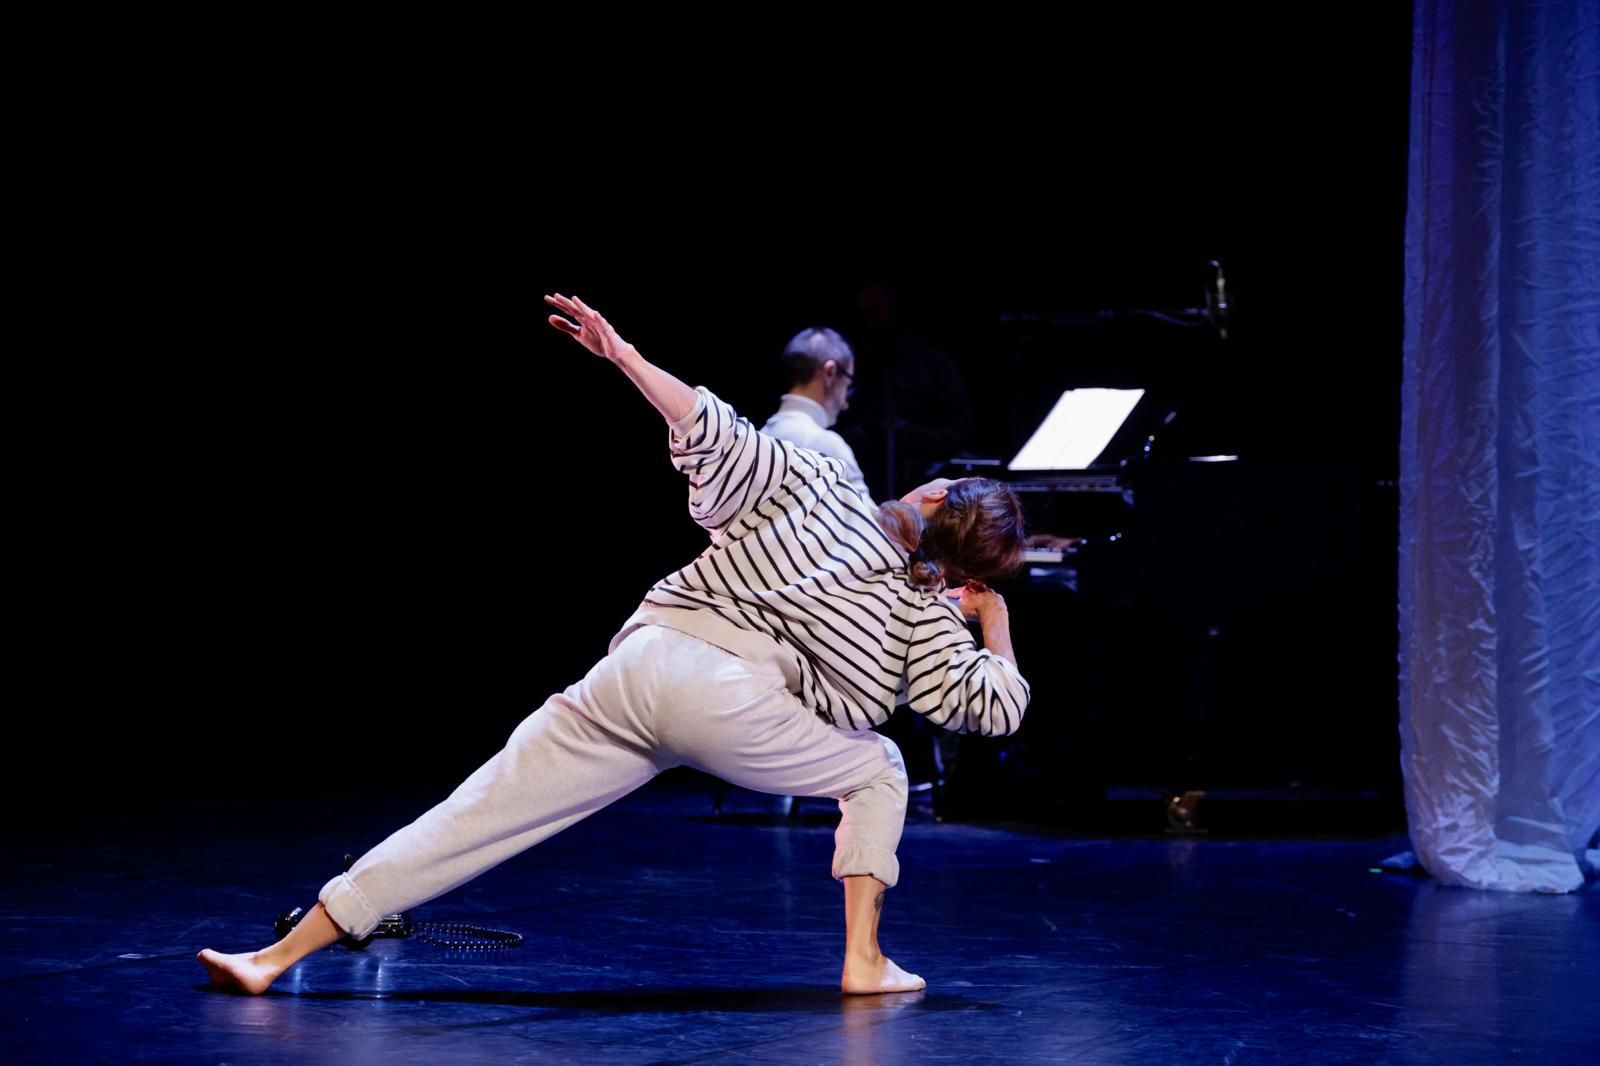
x,y
589,328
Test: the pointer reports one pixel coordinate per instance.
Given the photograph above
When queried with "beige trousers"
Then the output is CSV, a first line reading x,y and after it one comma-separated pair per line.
x,y
661,699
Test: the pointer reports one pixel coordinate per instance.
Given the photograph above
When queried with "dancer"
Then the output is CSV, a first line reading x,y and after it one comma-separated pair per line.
x,y
764,662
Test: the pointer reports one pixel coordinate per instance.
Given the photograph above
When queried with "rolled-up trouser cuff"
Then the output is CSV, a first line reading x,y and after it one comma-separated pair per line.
x,y
348,908
858,859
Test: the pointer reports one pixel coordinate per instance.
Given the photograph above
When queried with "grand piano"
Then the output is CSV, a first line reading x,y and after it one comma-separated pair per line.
x,y
1190,606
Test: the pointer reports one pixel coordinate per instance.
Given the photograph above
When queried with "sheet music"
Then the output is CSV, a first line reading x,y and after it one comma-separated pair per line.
x,y
1077,430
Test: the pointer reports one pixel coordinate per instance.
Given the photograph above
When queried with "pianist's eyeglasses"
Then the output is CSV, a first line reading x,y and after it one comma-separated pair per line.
x,y
850,387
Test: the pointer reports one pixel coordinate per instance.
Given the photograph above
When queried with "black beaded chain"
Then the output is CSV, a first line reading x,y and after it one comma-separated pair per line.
x,y
452,936
459,936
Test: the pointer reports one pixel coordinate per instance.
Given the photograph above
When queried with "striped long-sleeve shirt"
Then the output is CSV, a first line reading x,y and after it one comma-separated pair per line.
x,y
799,569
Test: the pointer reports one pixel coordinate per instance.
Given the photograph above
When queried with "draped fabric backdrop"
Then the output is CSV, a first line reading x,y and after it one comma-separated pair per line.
x,y
1500,433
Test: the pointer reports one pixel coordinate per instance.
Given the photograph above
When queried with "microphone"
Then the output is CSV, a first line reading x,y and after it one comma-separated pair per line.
x,y
1217,301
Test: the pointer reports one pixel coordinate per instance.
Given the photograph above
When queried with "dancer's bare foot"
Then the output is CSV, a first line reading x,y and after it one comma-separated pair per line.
x,y
875,976
244,973
253,972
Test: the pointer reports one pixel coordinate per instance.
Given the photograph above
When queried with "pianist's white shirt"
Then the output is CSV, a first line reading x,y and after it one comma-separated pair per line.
x,y
803,421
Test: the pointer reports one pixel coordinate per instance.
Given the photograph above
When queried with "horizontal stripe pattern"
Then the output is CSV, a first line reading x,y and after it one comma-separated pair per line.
x,y
797,555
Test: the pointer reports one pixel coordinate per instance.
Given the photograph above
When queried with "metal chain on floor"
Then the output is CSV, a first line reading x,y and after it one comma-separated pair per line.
x,y
460,936
451,936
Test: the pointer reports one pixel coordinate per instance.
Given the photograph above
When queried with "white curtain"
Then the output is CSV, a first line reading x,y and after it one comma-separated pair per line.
x,y
1500,444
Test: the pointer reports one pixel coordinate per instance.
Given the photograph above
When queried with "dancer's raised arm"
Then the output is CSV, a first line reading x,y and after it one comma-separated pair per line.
x,y
589,328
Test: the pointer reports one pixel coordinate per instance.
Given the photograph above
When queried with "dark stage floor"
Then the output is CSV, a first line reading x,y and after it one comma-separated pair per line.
x,y
657,934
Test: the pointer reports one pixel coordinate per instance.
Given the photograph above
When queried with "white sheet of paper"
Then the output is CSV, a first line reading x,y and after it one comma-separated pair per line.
x,y
1077,429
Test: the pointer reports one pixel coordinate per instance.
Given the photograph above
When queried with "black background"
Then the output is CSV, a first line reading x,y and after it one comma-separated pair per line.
x,y
323,502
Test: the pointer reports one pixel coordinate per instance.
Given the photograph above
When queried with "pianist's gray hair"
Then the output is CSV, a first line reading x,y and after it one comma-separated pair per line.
x,y
807,350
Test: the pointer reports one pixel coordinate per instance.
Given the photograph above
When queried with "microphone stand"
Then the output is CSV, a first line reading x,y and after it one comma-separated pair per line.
x,y
1214,313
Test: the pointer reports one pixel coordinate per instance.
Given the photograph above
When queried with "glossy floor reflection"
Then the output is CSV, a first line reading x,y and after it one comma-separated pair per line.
x,y
656,934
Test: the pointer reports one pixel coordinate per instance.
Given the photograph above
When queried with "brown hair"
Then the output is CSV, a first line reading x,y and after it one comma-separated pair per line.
x,y
976,535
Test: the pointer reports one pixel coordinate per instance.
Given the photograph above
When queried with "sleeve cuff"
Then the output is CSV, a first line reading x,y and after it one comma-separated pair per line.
x,y
682,426
347,905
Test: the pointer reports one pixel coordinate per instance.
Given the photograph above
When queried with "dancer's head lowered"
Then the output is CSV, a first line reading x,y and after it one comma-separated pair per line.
x,y
967,530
